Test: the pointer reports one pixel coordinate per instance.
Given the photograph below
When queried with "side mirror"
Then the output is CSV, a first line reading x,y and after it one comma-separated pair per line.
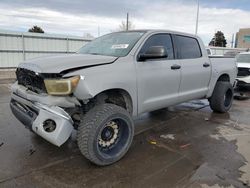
x,y
154,52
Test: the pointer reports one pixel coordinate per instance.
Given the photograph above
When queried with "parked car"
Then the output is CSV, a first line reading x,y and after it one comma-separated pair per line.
x,y
112,79
243,63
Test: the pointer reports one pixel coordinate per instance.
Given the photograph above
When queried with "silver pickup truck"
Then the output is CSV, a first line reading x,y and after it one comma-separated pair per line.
x,y
112,79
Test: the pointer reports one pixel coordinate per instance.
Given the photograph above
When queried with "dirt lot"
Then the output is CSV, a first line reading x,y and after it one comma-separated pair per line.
x,y
183,146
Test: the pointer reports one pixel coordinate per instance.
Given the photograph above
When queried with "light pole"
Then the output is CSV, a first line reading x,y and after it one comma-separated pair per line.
x,y
197,17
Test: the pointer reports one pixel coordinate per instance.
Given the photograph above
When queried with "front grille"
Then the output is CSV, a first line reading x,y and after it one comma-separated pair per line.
x,y
30,80
243,72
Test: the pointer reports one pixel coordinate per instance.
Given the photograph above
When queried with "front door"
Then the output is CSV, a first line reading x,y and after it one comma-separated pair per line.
x,y
158,80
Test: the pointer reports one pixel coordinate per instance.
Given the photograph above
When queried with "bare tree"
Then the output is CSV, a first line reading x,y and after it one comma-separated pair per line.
x,y
88,35
123,26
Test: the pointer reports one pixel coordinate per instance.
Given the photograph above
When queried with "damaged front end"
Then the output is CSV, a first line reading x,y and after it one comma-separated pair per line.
x,y
46,115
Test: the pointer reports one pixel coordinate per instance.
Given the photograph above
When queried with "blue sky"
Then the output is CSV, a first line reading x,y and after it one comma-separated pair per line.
x,y
79,17
233,4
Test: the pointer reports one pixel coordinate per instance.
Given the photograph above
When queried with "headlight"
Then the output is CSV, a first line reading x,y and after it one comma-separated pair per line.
x,y
64,86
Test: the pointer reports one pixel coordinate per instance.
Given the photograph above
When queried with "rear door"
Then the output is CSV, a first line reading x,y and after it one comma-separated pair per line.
x,y
158,79
195,68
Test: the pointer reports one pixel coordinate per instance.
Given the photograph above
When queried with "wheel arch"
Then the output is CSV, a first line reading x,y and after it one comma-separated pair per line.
x,y
117,96
224,77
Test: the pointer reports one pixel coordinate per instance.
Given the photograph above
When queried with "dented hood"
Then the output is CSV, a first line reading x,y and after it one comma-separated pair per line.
x,y
63,63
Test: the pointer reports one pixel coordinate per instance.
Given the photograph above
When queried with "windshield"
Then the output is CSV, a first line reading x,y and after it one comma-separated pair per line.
x,y
114,44
243,58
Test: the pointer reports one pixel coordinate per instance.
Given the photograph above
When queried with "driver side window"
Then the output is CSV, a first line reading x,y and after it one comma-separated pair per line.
x,y
159,40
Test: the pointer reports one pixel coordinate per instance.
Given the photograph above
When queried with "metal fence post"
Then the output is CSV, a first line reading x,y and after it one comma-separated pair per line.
x,y
23,46
67,47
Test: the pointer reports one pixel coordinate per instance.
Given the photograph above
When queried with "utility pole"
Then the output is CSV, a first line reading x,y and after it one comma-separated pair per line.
x,y
197,17
232,43
127,22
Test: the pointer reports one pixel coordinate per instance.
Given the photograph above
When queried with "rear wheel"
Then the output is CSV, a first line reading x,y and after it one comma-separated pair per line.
x,y
222,98
105,134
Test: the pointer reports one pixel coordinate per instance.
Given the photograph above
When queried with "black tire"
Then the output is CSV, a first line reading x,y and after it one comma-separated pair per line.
x,y
95,130
222,97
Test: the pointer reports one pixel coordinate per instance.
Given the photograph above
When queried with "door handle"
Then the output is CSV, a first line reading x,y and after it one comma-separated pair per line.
x,y
206,65
175,67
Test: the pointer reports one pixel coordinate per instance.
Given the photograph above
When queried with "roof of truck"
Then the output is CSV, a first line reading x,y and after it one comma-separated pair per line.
x,y
160,30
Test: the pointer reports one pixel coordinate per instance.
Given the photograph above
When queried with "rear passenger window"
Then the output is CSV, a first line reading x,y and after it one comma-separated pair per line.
x,y
188,48
160,40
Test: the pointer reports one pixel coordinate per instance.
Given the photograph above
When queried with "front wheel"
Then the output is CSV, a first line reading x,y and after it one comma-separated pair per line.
x,y
222,97
105,134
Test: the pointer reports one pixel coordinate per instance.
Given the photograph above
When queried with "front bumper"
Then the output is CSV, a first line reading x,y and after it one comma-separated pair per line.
x,y
34,115
243,81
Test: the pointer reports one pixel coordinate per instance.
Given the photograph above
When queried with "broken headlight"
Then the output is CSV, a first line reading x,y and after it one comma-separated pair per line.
x,y
64,86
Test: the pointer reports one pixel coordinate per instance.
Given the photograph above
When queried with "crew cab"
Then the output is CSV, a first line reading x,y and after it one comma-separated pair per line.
x,y
98,90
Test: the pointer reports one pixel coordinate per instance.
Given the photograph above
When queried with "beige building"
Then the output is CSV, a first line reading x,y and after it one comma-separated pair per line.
x,y
243,38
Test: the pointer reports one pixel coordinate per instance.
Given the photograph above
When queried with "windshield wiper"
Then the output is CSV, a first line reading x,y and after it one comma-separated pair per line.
x,y
102,54
94,54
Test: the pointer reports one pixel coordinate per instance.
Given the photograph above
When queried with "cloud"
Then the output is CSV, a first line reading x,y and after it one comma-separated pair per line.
x,y
76,19
182,17
53,21
111,8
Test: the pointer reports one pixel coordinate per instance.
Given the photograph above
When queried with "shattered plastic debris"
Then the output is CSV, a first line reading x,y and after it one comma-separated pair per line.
x,y
221,177
153,142
168,136
32,151
184,146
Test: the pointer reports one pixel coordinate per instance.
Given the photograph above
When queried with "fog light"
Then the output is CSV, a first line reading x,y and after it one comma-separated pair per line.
x,y
49,125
